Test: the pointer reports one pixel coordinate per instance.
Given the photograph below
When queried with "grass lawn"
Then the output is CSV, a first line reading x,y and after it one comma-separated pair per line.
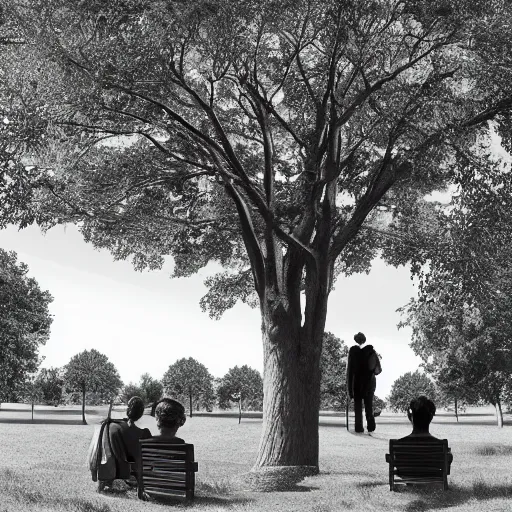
x,y
43,466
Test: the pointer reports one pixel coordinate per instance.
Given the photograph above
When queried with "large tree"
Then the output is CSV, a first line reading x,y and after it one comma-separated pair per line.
x,y
269,136
465,348
91,370
242,385
189,381
25,323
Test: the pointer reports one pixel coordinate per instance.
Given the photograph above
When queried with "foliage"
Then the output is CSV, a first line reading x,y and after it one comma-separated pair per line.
x,y
151,389
379,404
189,382
50,382
130,390
92,371
24,324
466,349
333,366
242,385
410,386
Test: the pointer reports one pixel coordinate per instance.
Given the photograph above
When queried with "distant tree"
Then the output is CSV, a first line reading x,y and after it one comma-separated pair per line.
x,y
130,390
24,324
242,385
152,390
379,404
91,371
333,367
29,392
50,382
187,380
410,386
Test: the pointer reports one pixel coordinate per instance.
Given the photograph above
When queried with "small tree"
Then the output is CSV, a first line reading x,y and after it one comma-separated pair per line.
x,y
130,390
189,380
243,385
50,382
333,365
151,389
410,386
91,371
24,324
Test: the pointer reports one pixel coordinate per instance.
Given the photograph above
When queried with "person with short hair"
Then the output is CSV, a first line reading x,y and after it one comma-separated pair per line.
x,y
362,366
420,413
170,416
124,438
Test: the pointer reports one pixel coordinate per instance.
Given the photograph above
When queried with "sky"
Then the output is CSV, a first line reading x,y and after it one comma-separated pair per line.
x,y
145,321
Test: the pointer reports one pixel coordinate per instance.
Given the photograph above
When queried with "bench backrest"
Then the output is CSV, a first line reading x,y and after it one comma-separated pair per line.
x,y
168,470
419,461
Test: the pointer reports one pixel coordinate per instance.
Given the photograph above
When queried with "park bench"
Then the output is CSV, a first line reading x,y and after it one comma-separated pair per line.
x,y
418,461
168,470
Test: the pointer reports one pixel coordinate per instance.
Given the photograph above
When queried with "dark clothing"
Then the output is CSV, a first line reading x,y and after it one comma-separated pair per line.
x,y
124,443
362,366
367,400
167,439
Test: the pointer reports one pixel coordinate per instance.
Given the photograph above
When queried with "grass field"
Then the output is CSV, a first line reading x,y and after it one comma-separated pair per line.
x,y
43,466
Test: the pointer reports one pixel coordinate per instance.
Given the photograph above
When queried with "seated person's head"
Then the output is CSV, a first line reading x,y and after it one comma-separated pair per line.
x,y
420,413
360,338
170,415
135,408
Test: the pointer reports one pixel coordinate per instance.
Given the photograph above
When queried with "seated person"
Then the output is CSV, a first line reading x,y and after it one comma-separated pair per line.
x,y
123,440
170,416
420,414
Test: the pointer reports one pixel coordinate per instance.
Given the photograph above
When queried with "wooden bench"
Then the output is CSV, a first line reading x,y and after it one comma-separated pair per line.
x,y
168,470
418,462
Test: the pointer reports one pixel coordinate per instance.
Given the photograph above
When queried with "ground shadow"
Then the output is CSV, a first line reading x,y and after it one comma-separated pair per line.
x,y
202,501
434,498
41,421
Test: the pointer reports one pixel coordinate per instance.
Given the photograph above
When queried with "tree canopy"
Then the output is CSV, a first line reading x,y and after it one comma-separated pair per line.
x,y
25,322
190,382
50,382
409,386
91,370
286,140
242,385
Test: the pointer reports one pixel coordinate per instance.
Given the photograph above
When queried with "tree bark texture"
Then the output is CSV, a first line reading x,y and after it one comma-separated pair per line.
x,y
499,413
291,390
456,411
83,406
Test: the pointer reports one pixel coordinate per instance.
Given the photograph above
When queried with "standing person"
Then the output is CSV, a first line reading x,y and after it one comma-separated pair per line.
x,y
362,367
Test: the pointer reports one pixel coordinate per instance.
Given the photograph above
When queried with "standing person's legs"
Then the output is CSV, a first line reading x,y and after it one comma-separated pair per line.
x,y
358,412
368,410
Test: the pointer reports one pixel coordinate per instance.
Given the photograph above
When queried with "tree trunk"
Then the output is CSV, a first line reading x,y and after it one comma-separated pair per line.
x,y
291,395
83,406
456,411
32,410
190,401
499,413
240,410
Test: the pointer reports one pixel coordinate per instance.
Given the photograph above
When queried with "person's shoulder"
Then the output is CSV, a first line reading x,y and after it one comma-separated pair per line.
x,y
145,433
167,439
354,349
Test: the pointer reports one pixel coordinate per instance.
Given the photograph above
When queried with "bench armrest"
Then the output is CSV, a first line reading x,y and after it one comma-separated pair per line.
x,y
388,457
